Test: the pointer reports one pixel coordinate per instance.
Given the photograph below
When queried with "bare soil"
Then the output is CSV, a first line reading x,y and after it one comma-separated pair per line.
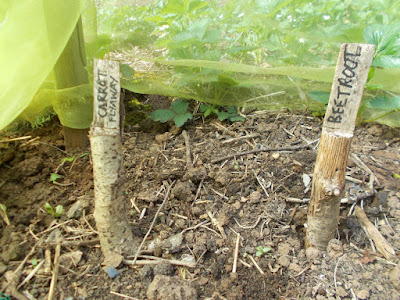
x,y
262,196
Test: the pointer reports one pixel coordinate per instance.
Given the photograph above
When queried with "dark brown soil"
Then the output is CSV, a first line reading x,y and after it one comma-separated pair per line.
x,y
249,194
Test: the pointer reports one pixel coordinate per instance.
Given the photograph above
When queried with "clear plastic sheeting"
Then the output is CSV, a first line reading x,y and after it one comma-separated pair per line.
x,y
267,54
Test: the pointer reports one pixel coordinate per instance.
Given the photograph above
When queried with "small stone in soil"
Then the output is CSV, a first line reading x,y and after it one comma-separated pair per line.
x,y
362,294
312,253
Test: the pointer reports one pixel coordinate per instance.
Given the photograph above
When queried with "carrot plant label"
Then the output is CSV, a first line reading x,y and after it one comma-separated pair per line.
x,y
350,77
106,110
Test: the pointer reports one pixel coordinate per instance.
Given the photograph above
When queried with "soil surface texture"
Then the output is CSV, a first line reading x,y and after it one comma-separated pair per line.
x,y
233,223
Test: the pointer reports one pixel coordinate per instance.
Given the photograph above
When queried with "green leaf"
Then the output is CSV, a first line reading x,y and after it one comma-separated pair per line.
x,y
181,119
259,253
237,118
54,177
180,106
395,175
385,102
162,115
386,39
198,28
319,96
223,115
126,70
34,262
59,211
68,159
49,209
195,5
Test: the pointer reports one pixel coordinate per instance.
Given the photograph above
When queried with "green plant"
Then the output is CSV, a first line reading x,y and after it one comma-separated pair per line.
x,y
3,213
178,113
262,250
69,159
54,177
229,113
57,213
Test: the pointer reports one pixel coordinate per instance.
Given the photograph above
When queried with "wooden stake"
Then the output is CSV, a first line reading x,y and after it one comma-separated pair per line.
x,y
110,213
329,174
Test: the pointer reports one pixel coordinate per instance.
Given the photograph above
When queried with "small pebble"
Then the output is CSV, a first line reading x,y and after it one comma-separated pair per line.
x,y
362,294
111,272
313,253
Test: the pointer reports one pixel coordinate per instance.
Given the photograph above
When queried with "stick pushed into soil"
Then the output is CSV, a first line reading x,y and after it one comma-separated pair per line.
x,y
329,174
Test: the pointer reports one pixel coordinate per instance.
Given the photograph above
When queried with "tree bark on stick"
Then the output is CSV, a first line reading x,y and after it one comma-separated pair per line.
x,y
329,174
115,234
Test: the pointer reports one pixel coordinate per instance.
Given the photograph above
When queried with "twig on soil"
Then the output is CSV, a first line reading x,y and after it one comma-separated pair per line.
x,y
268,149
381,244
212,230
217,224
245,263
240,138
84,243
198,190
56,226
302,271
205,223
133,204
260,183
236,254
152,260
376,257
187,144
31,274
16,139
334,273
297,200
87,222
219,194
154,221
248,227
355,199
123,296
54,277
363,166
256,265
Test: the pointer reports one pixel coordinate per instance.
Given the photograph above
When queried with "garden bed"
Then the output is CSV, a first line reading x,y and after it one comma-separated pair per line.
x,y
214,198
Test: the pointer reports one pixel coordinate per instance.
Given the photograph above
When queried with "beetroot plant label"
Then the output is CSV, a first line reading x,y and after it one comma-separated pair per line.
x,y
351,75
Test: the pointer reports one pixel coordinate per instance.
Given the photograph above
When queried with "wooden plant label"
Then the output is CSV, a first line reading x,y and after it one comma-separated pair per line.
x,y
348,85
329,174
110,212
106,109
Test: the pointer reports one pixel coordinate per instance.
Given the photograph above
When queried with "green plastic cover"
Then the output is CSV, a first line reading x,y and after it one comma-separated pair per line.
x,y
33,34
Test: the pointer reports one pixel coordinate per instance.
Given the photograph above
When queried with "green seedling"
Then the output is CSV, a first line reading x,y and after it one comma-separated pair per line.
x,y
57,213
395,175
230,113
72,158
178,113
34,262
262,250
54,177
3,213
